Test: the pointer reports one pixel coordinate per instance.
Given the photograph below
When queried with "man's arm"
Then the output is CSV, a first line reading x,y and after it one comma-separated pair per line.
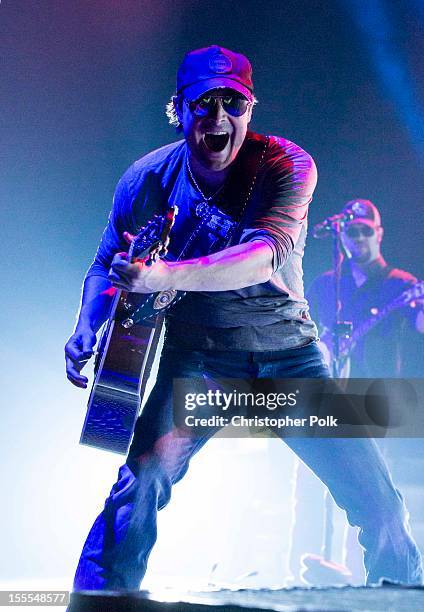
x,y
96,300
232,268
290,177
236,267
97,293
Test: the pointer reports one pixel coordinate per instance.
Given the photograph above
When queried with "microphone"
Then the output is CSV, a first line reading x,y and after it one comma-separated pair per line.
x,y
322,230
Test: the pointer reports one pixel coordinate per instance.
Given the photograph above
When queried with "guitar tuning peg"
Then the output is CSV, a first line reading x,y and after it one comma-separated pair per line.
x,y
127,323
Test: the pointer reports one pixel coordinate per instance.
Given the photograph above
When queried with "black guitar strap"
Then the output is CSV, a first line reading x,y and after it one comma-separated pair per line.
x,y
225,223
245,172
213,228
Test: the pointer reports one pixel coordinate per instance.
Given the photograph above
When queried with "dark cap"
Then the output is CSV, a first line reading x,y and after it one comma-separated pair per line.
x,y
363,211
211,67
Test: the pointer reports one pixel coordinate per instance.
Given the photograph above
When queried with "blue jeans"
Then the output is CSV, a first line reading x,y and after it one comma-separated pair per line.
x,y
117,548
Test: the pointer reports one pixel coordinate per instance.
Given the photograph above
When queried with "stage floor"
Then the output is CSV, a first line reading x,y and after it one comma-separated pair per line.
x,y
387,598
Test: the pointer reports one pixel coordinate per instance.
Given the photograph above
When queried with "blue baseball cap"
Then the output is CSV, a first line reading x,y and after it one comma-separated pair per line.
x,y
214,67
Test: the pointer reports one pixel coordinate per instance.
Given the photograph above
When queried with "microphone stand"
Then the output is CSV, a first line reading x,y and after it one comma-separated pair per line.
x,y
321,568
340,329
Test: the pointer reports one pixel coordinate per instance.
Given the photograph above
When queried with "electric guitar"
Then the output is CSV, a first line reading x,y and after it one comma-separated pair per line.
x,y
127,348
415,292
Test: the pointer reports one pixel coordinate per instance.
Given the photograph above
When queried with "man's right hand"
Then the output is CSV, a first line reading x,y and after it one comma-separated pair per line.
x,y
78,351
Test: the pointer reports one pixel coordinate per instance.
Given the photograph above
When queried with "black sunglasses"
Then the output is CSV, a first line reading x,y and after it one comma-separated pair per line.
x,y
354,231
234,105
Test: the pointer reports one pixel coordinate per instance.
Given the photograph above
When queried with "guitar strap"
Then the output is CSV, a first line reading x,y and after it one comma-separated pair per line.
x,y
232,207
212,229
246,170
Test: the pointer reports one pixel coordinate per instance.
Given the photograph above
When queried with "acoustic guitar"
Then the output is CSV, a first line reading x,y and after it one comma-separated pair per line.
x,y
127,348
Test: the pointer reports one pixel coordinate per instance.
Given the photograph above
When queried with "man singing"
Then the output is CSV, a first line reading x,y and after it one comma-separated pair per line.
x,y
244,316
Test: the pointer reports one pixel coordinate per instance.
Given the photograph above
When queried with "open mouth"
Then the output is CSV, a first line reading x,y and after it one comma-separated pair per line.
x,y
216,141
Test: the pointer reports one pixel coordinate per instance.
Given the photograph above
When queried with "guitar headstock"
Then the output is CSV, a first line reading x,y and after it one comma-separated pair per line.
x,y
153,238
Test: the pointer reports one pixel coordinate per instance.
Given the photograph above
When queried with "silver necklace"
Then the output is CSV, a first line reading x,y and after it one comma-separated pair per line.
x,y
203,208
195,183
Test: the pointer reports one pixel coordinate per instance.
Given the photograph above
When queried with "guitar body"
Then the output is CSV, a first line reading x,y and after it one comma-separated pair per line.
x,y
123,365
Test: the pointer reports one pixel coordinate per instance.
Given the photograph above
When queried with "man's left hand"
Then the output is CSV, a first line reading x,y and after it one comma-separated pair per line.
x,y
138,277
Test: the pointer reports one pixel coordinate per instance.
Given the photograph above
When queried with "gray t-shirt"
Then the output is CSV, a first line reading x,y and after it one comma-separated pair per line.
x,y
268,316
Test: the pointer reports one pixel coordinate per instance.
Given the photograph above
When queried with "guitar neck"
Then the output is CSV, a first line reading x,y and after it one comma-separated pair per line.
x,y
367,325
408,296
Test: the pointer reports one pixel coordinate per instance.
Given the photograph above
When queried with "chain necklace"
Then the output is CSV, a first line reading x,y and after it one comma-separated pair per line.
x,y
201,212
196,184
165,299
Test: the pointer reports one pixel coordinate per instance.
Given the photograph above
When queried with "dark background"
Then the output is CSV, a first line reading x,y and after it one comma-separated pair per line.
x,y
85,83
83,89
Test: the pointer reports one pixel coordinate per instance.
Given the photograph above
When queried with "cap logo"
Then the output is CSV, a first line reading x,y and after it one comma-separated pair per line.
x,y
359,209
220,64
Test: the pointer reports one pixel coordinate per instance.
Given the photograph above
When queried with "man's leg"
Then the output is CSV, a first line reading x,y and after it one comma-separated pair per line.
x,y
357,477
115,553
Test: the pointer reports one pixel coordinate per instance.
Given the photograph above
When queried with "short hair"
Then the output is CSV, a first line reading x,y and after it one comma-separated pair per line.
x,y
171,113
